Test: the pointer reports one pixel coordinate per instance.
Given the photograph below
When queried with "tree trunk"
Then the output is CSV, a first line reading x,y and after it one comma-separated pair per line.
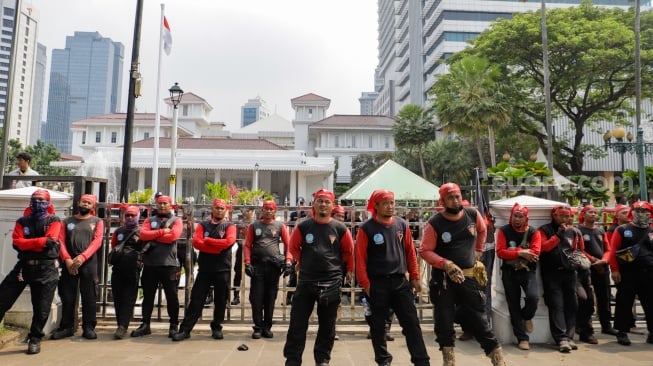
x,y
421,161
493,155
479,150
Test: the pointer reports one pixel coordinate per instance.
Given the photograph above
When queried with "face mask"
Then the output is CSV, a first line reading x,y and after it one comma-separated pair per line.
x,y
39,209
84,211
641,218
453,211
132,223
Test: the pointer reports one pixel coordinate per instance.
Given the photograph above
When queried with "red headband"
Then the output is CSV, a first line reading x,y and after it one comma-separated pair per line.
x,y
219,202
337,209
581,215
378,196
270,204
561,210
324,193
42,193
448,189
164,199
133,210
89,197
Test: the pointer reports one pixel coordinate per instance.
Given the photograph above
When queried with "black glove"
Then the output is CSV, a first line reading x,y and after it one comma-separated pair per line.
x,y
249,270
288,268
51,243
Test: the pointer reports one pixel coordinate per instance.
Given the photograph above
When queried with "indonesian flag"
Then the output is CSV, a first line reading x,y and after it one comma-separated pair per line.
x,y
167,37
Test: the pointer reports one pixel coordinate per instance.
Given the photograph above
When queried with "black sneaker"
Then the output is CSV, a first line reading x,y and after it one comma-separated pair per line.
x,y
63,333
180,336
622,339
389,337
236,300
267,333
89,334
217,334
257,334
609,331
120,333
143,330
33,346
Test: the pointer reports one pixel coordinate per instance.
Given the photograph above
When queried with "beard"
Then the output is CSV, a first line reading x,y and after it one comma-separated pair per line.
x,y
454,211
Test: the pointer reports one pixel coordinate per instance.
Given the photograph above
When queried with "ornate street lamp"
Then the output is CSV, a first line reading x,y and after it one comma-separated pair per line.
x,y
255,185
639,147
175,97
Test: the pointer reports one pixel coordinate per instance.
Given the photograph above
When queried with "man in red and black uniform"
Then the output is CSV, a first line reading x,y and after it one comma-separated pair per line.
x,y
81,237
560,282
264,263
160,264
213,238
452,243
35,238
620,217
518,245
631,262
384,254
598,284
321,245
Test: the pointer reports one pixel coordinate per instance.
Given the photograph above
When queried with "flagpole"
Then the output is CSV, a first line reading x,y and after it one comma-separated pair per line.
x,y
157,118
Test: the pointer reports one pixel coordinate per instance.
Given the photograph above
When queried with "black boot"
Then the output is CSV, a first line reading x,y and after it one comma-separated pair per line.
x,y
236,299
388,336
143,330
172,330
33,346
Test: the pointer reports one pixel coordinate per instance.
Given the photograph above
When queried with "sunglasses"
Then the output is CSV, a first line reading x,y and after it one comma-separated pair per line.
x,y
130,216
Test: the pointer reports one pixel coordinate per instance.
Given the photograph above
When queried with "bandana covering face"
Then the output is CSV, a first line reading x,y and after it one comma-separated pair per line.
x,y
641,213
131,223
39,209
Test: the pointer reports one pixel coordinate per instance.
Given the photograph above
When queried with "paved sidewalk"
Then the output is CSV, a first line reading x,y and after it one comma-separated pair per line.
x,y
352,349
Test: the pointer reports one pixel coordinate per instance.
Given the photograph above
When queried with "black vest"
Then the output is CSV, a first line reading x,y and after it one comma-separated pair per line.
x,y
456,239
161,254
321,252
385,247
593,239
211,262
36,229
266,241
514,239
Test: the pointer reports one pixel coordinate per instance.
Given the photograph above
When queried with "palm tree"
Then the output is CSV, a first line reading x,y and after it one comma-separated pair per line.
x,y
469,102
414,128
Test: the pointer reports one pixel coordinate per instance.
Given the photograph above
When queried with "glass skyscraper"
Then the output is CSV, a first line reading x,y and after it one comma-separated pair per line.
x,y
85,81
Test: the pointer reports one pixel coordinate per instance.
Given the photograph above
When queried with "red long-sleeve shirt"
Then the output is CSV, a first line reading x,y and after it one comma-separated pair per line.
x,y
506,253
93,247
213,245
34,244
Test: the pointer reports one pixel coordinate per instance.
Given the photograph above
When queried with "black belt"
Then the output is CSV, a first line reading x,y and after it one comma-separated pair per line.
x,y
391,275
36,262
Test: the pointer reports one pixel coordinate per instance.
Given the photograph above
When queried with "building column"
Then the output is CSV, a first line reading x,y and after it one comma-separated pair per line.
x,y
141,179
216,175
293,187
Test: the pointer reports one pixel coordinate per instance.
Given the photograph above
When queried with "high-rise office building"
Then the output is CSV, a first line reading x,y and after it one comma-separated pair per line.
x,y
19,98
38,96
367,103
415,35
85,81
253,110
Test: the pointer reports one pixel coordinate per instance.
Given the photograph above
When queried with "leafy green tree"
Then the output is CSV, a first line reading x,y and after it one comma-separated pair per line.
x,y
591,70
469,102
414,129
364,164
450,160
42,154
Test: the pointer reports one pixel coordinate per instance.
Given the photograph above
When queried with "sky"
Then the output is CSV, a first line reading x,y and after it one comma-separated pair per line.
x,y
230,51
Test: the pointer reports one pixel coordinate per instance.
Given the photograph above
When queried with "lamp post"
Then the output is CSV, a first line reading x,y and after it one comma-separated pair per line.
x,y
255,185
639,147
175,97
